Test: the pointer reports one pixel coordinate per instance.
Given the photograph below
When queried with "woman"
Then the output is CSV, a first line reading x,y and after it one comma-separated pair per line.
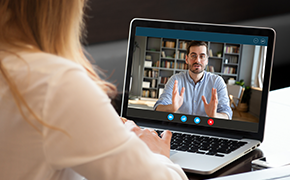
x,y
56,120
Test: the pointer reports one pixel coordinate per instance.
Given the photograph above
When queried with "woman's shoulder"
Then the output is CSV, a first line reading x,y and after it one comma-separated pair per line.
x,y
41,59
38,63
39,67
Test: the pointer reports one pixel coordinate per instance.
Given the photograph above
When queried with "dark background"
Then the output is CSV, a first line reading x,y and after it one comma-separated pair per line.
x,y
108,21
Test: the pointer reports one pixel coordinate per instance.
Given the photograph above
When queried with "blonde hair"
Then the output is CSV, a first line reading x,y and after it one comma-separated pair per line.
x,y
51,26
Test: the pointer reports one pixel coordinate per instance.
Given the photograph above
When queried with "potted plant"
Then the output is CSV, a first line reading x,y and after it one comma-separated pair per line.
x,y
244,104
219,54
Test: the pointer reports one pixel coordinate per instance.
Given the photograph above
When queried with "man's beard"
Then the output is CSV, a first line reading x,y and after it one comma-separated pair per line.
x,y
196,70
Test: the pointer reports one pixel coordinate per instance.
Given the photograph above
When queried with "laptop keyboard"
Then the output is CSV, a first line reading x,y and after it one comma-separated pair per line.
x,y
211,146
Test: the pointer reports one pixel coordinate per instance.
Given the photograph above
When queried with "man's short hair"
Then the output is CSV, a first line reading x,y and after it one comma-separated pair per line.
x,y
196,43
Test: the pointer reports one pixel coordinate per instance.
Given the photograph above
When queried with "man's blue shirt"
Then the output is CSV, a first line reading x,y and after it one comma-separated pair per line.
x,y
192,102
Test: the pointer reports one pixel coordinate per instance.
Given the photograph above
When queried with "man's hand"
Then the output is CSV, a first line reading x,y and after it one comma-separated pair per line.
x,y
211,107
177,99
150,137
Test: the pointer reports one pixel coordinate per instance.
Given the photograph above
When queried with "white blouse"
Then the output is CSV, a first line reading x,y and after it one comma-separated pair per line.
x,y
60,92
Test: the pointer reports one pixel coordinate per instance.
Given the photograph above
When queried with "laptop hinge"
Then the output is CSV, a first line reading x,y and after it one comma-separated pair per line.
x,y
197,131
218,134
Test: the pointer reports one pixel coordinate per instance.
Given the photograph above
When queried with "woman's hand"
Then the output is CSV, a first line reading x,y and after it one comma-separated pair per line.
x,y
150,137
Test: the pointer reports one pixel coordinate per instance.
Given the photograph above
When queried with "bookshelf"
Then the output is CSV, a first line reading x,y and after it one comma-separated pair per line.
x,y
231,61
166,57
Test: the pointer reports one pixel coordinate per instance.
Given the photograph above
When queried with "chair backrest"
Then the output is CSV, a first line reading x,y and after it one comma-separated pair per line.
x,y
236,91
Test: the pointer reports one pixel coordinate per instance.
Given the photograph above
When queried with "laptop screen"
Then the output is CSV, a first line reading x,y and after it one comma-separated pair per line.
x,y
198,75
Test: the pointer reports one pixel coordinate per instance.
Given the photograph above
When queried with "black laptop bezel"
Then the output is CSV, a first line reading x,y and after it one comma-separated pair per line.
x,y
204,27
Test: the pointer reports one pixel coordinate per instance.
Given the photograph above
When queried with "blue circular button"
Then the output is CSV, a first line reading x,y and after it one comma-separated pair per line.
x,y
183,118
170,117
197,120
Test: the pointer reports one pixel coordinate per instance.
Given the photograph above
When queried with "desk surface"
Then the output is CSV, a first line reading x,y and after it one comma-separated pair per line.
x,y
276,137
277,132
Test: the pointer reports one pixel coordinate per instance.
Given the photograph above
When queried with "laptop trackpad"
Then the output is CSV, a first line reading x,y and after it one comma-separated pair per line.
x,y
198,163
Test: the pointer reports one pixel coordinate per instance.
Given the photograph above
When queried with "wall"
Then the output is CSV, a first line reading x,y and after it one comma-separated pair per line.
x,y
246,64
109,20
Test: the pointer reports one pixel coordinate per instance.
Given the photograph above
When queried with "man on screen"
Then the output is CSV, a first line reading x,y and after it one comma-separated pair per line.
x,y
196,92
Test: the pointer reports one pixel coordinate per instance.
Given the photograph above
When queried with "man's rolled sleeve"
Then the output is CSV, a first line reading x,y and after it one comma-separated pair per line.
x,y
223,101
225,109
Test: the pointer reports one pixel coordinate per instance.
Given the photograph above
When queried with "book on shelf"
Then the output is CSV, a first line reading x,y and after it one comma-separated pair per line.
x,y
149,94
148,57
153,94
229,70
164,80
170,44
145,73
233,59
150,73
163,54
232,49
145,93
145,84
170,64
148,63
154,74
210,53
179,65
211,69
167,64
162,63
182,66
182,55
156,64
153,84
182,44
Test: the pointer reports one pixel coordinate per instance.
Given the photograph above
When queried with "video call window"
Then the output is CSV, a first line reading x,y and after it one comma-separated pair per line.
x,y
241,67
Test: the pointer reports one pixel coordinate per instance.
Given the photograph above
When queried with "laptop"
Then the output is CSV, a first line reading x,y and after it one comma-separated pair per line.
x,y
239,55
